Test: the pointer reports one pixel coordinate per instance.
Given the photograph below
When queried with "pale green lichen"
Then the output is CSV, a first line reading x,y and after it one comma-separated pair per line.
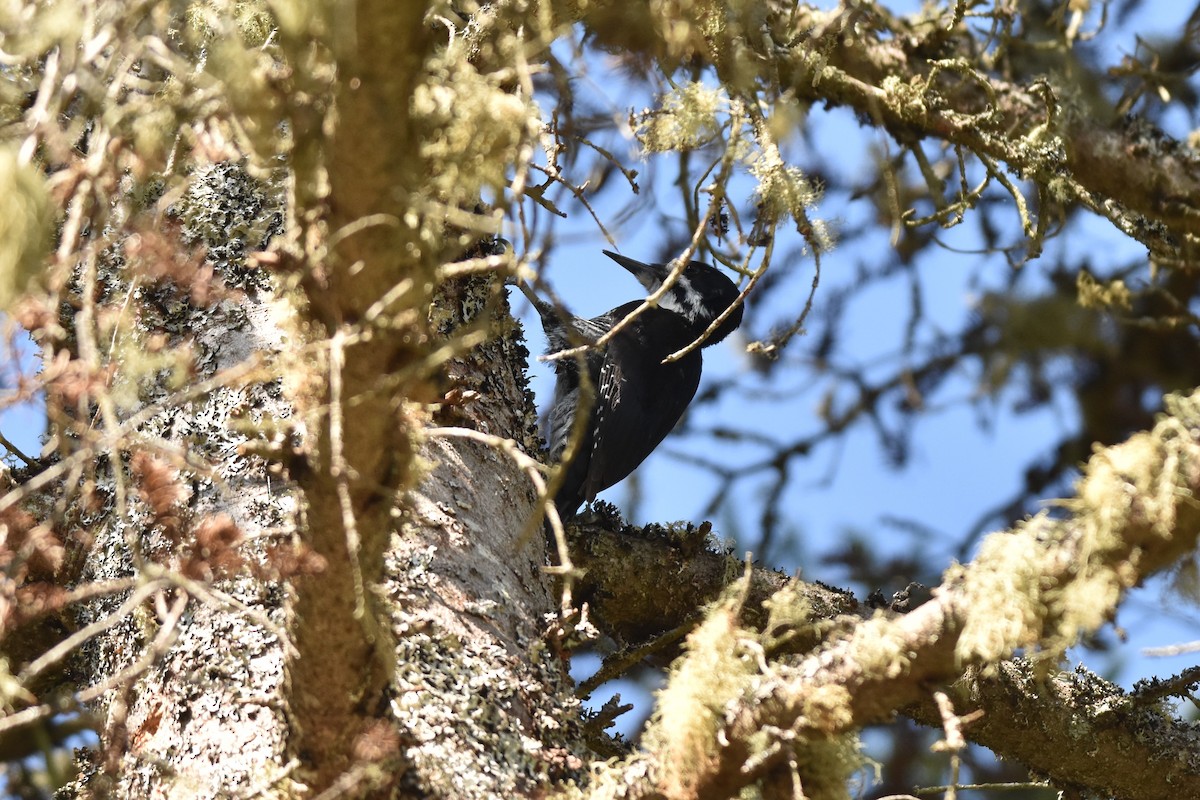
x,y
209,20
1006,581
793,624
1047,582
1102,294
688,117
907,99
827,767
879,648
472,128
229,213
24,226
696,114
691,709
35,28
785,191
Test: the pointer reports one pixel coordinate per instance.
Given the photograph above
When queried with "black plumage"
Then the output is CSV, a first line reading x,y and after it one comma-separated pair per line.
x,y
638,399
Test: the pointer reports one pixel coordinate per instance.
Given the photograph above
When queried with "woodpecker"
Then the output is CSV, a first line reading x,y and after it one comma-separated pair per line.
x,y
638,398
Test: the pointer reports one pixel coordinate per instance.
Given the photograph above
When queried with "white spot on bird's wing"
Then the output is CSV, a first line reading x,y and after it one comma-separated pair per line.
x,y
609,391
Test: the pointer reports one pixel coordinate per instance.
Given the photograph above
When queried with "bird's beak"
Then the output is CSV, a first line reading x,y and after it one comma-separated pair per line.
x,y
650,276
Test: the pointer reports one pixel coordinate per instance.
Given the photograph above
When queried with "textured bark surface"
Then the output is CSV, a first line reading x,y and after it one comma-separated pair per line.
x,y
482,698
1040,719
207,717
478,703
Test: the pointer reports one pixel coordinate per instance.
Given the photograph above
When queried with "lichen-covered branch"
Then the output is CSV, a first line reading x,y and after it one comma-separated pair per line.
x,y
1037,587
923,78
1143,181
642,583
1077,729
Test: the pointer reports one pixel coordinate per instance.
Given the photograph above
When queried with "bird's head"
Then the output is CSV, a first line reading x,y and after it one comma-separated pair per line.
x,y
699,295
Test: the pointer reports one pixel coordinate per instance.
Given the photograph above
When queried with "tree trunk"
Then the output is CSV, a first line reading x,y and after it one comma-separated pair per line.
x,y
478,702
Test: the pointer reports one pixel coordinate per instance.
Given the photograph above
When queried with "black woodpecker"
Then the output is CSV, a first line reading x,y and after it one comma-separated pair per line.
x,y
638,399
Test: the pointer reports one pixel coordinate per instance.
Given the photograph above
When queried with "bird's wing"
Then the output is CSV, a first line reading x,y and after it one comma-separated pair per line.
x,y
633,416
565,406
